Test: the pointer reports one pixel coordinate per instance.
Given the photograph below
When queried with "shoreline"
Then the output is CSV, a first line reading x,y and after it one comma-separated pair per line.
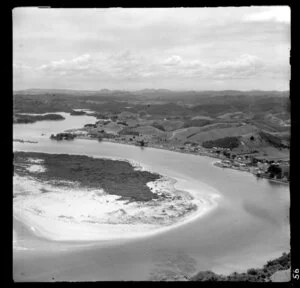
x,y
217,164
92,234
201,154
83,231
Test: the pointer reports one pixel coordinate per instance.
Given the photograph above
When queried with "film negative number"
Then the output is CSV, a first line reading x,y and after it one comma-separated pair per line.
x,y
296,274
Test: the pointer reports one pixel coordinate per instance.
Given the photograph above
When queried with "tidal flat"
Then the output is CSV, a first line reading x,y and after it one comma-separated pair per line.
x,y
76,197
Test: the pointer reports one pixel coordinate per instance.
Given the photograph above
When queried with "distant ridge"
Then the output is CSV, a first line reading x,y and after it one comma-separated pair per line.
x,y
35,91
49,91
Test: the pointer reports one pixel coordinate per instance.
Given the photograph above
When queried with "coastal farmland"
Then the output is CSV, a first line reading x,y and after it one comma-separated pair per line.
x,y
175,124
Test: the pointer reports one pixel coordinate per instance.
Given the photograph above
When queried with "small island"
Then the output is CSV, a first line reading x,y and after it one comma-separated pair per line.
x,y
25,119
77,113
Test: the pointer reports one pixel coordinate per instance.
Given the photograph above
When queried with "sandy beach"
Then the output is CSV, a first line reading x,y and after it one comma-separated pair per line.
x,y
66,214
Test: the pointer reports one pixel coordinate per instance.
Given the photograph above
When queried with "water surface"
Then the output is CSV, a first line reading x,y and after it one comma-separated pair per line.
x,y
249,227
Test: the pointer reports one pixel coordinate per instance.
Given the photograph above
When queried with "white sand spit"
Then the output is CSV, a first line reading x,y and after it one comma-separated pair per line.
x,y
73,213
36,168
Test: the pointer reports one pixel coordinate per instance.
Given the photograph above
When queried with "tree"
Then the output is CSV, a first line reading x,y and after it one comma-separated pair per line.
x,y
252,138
227,154
254,161
274,170
252,271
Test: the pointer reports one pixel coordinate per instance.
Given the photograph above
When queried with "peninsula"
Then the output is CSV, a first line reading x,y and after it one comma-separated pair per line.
x,y
76,197
27,118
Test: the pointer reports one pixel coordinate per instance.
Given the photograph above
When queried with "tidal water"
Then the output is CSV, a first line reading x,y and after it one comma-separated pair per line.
x,y
249,226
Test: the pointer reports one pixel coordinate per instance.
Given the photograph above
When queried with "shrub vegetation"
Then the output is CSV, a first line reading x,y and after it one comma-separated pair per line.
x,y
252,275
227,142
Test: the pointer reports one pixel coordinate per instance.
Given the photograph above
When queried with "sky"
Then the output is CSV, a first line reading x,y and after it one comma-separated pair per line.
x,y
236,48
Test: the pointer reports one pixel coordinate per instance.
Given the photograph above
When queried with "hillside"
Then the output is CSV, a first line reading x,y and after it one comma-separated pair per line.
x,y
178,117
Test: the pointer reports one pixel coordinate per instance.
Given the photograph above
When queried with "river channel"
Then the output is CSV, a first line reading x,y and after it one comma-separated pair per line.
x,y
249,226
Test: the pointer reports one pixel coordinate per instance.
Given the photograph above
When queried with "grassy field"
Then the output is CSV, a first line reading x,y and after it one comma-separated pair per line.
x,y
214,134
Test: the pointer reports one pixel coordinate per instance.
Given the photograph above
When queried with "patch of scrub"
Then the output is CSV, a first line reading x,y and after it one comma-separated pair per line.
x,y
117,177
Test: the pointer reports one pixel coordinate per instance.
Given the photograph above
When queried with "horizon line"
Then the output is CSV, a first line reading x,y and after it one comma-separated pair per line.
x,y
155,89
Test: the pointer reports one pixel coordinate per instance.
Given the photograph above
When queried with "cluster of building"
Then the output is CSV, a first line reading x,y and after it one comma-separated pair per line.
x,y
279,170
233,164
192,148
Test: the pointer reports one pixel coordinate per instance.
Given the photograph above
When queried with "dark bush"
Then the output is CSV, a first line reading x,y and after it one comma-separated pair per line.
x,y
129,131
274,170
272,139
227,142
252,271
122,123
158,126
196,123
